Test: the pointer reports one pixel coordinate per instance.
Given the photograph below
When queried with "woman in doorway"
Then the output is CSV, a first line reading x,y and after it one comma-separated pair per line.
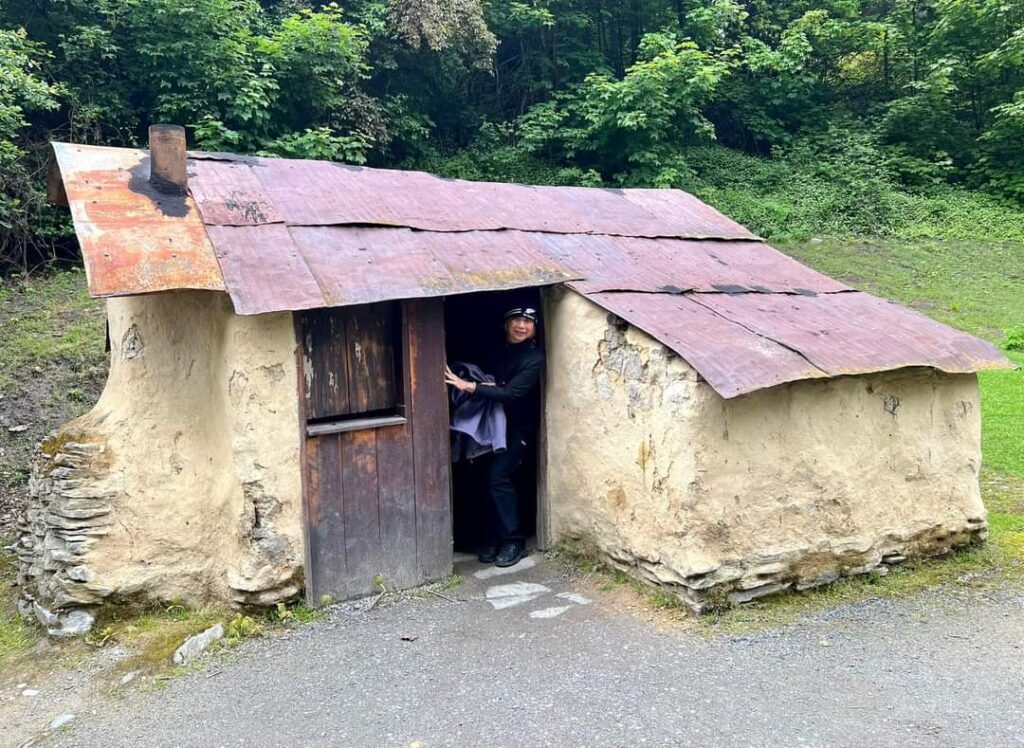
x,y
516,388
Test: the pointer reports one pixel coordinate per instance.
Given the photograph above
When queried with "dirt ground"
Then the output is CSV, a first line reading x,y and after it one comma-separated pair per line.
x,y
52,368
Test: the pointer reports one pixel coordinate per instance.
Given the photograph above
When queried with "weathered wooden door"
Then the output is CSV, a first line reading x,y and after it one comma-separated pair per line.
x,y
376,484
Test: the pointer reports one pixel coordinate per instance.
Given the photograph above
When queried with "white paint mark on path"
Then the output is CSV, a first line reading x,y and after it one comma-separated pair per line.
x,y
549,612
509,595
496,571
574,597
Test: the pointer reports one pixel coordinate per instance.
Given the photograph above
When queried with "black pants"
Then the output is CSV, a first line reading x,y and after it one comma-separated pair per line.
x,y
504,501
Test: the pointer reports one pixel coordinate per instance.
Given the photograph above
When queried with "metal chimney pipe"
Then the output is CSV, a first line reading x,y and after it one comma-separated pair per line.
x,y
167,159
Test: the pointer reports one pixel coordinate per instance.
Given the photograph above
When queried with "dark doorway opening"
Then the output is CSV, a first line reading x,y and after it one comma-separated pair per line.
x,y
474,333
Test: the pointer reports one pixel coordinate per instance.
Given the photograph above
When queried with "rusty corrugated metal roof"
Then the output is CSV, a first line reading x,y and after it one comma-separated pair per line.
x,y
291,235
729,357
233,191
743,342
134,239
275,267
608,263
853,333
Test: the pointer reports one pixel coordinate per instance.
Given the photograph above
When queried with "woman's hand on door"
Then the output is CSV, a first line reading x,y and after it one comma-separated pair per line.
x,y
457,382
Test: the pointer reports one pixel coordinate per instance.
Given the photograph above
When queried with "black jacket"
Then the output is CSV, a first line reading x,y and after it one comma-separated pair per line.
x,y
517,374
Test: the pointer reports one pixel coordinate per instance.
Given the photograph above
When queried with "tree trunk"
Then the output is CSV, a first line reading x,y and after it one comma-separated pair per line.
x,y
636,27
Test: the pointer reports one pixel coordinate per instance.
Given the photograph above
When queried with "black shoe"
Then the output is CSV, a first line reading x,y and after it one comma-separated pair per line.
x,y
488,553
510,553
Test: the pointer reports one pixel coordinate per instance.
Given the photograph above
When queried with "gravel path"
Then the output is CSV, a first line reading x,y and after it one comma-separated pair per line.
x,y
520,665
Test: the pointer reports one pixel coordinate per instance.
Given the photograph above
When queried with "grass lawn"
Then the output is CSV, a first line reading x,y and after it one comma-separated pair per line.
x,y
48,318
1002,409
16,635
52,368
975,287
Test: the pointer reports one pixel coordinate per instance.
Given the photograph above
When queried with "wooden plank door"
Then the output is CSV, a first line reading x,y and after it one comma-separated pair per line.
x,y
376,485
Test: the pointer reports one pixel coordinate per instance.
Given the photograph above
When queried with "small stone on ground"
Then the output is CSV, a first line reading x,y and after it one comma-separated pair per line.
x,y
59,722
196,645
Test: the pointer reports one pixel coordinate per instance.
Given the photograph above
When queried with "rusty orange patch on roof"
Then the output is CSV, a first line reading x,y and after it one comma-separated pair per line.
x,y
133,238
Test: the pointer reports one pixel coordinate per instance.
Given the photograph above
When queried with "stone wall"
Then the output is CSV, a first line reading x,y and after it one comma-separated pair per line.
x,y
183,482
728,500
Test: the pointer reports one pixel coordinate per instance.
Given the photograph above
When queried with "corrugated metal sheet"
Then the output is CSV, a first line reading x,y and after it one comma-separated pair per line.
x,y
608,263
745,342
318,193
295,235
263,269
134,240
729,357
274,267
854,333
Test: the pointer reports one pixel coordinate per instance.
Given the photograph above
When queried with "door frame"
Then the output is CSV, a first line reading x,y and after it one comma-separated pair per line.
x,y
542,527
419,319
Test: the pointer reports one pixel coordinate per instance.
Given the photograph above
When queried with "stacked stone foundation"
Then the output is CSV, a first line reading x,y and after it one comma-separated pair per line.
x,y
740,581
68,514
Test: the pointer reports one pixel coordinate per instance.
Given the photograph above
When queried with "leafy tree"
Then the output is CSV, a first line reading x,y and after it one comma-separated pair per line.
x,y
27,226
630,129
867,107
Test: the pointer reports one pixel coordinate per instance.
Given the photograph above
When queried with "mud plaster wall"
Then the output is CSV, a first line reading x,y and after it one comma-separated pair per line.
x,y
190,459
733,499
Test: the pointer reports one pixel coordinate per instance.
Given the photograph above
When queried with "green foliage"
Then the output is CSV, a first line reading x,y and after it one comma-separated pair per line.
x,y
295,614
22,89
242,78
27,224
319,143
1002,160
1014,340
242,627
850,117
494,157
630,129
444,24
842,185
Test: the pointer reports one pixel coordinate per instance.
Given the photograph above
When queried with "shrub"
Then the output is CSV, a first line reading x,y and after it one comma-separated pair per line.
x,y
1014,340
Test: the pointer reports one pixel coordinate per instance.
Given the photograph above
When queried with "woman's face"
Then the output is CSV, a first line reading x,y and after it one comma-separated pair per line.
x,y
519,329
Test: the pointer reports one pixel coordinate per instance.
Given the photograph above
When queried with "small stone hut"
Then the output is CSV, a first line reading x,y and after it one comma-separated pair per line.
x,y
718,419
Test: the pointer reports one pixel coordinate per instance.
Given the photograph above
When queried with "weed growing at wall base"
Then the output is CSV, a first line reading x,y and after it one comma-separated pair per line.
x,y
16,635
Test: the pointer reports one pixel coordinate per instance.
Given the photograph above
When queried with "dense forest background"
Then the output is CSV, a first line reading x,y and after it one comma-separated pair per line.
x,y
839,117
